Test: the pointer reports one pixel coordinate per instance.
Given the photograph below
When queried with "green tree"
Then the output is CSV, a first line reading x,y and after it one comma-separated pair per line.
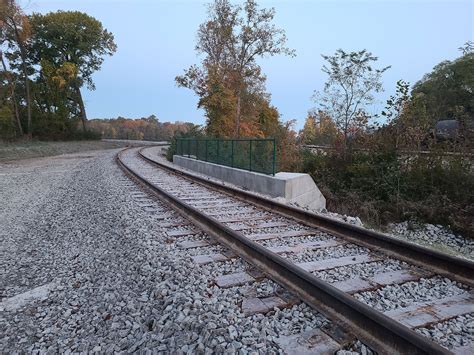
x,y
56,112
352,82
8,99
415,122
395,106
449,89
15,31
467,48
71,37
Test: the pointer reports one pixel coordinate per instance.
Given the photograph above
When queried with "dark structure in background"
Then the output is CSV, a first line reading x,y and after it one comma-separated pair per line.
x,y
454,130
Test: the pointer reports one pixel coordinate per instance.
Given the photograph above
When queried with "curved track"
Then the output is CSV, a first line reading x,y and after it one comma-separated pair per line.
x,y
298,249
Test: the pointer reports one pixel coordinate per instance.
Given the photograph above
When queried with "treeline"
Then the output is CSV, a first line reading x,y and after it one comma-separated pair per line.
x,y
145,128
409,119
46,60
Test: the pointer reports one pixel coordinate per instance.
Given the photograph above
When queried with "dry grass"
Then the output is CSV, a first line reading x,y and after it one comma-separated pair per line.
x,y
35,149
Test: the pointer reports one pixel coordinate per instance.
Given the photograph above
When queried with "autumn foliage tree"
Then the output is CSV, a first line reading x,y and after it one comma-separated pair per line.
x,y
144,128
319,129
229,82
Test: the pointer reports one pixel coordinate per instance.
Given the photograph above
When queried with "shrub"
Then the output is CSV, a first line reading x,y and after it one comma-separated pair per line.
x,y
383,187
7,128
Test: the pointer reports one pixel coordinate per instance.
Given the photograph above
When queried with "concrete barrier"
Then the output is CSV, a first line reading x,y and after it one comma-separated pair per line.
x,y
291,187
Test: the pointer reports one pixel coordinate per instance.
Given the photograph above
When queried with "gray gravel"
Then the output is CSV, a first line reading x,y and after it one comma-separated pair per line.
x,y
396,296
74,228
434,236
364,271
326,253
293,241
456,332
356,348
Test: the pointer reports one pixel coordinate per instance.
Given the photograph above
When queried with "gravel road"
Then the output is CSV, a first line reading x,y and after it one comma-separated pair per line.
x,y
85,268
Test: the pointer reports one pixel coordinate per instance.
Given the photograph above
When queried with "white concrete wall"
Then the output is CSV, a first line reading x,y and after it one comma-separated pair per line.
x,y
291,187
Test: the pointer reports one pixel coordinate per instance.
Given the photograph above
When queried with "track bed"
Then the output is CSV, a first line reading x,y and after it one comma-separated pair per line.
x,y
404,307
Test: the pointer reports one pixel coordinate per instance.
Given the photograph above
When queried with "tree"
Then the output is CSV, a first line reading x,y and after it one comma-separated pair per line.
x,y
72,37
54,97
15,31
231,40
9,99
467,48
396,105
352,81
308,134
319,129
449,89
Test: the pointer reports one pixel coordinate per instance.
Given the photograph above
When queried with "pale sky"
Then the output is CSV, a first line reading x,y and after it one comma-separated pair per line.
x,y
156,40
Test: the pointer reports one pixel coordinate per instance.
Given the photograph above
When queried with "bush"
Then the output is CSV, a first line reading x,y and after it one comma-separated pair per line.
x,y
7,128
56,128
383,187
85,135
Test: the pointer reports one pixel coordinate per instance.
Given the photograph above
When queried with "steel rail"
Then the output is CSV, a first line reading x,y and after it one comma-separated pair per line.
x,y
375,329
459,269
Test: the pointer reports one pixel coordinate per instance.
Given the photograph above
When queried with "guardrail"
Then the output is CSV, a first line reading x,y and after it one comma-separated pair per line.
x,y
258,155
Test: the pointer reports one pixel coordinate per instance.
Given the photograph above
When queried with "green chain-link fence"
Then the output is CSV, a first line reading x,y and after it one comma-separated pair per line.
x,y
257,155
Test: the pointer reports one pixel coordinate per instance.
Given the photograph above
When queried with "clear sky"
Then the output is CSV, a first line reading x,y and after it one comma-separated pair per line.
x,y
156,40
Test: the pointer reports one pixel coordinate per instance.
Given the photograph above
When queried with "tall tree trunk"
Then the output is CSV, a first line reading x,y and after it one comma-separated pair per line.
x,y
25,75
16,117
81,107
28,95
345,143
17,113
238,114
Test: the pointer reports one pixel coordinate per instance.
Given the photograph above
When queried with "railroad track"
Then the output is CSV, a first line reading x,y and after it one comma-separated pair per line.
x,y
349,274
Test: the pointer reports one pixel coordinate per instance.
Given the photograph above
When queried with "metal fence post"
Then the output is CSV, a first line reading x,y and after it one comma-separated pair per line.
x,y
197,150
189,148
274,156
250,156
218,160
232,153
206,149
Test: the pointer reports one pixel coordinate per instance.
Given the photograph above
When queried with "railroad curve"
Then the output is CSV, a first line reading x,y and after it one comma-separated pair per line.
x,y
309,255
